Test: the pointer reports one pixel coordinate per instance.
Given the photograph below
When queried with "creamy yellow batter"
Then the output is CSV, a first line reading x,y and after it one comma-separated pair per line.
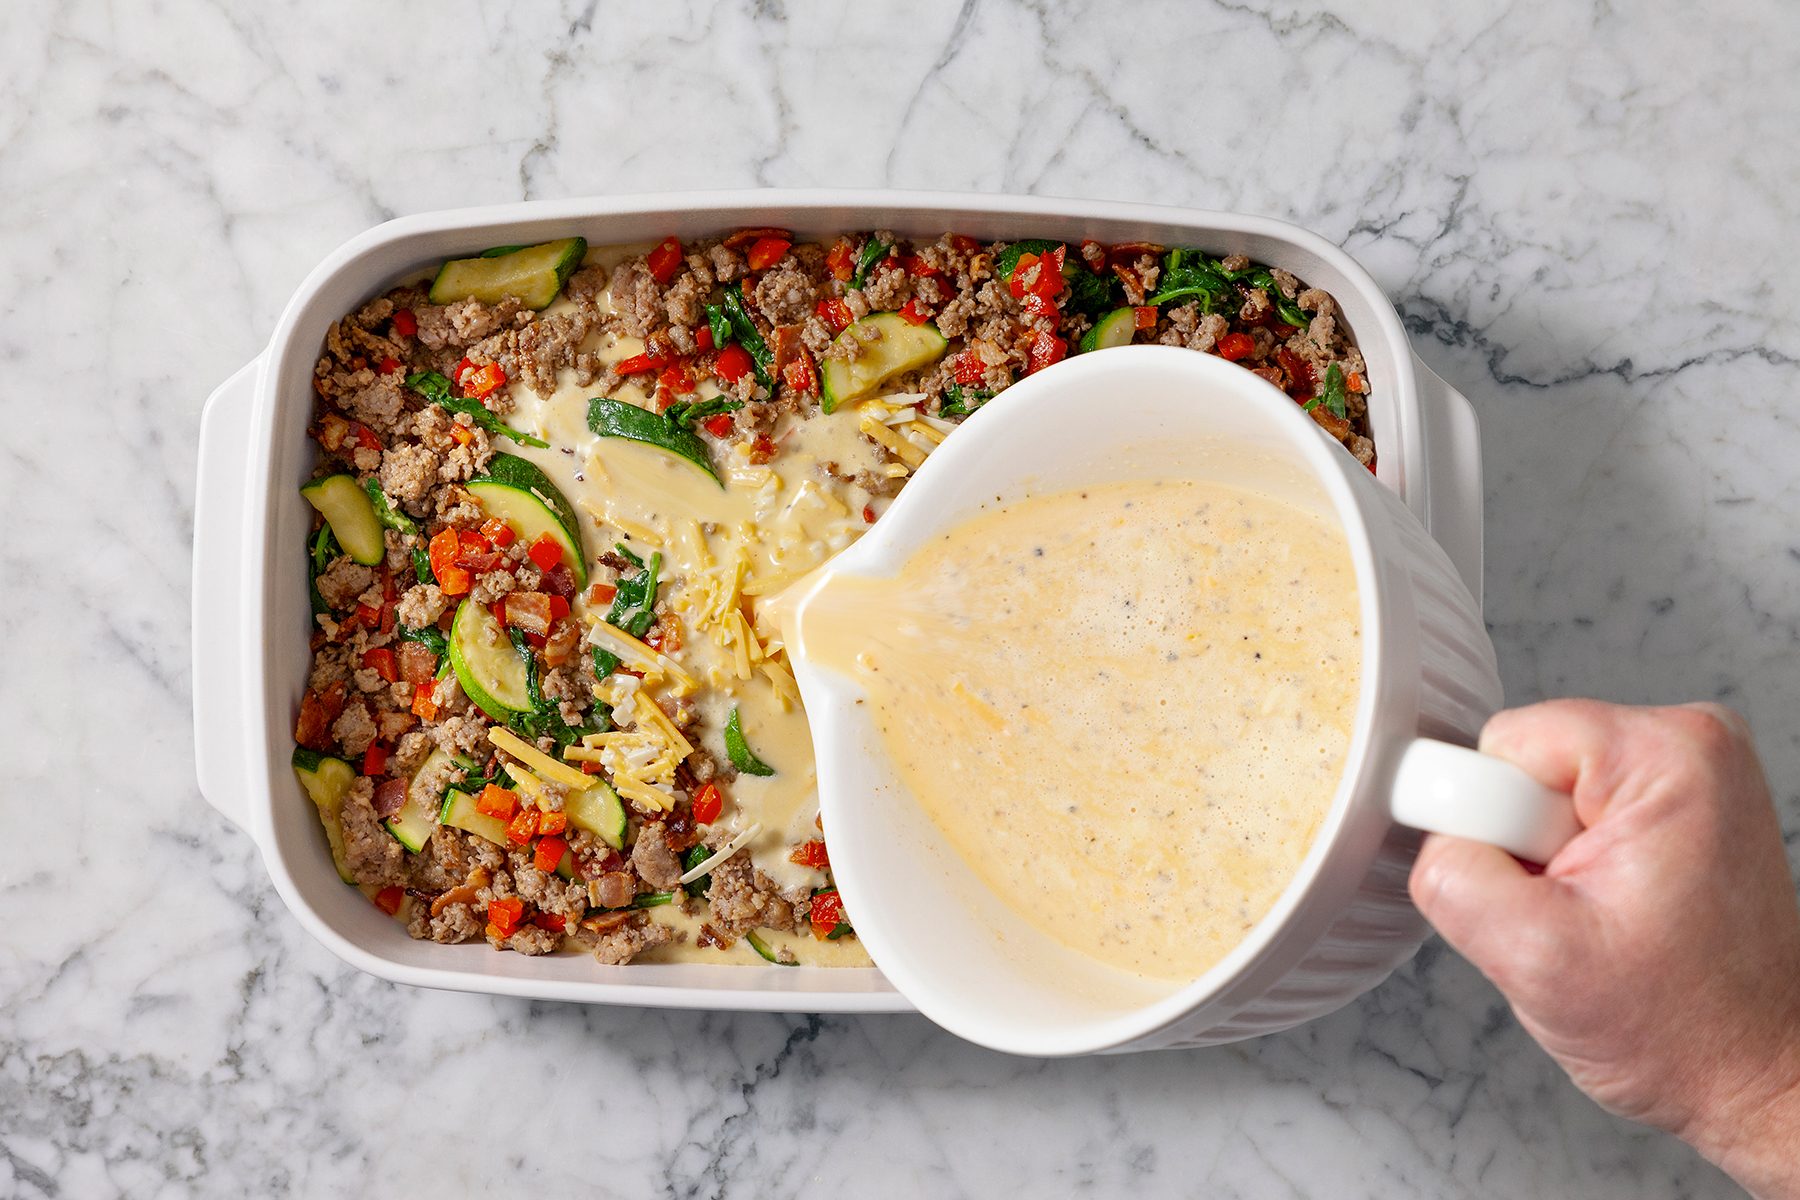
x,y
1126,707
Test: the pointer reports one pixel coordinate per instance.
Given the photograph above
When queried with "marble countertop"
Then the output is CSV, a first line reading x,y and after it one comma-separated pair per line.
x,y
1581,211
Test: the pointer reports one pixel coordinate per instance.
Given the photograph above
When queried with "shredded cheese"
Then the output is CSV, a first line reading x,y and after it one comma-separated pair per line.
x,y
505,739
724,852
650,716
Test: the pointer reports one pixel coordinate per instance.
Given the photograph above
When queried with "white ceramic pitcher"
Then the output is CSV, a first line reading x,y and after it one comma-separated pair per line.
x,y
1428,682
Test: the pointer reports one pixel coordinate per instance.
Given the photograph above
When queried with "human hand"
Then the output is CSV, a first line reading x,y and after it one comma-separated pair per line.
x,y
1657,957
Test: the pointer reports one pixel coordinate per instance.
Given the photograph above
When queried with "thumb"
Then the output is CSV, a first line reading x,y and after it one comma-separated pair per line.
x,y
1485,903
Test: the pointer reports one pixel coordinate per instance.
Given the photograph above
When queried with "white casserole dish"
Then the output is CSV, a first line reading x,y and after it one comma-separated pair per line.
x,y
251,616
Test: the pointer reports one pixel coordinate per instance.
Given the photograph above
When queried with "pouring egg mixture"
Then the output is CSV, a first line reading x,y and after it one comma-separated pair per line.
x,y
556,486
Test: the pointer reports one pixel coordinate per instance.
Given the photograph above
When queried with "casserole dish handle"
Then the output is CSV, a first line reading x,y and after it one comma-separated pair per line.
x,y
220,505
1453,495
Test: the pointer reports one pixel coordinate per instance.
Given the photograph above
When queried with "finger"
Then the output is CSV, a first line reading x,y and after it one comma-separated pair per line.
x,y
1566,745
1484,902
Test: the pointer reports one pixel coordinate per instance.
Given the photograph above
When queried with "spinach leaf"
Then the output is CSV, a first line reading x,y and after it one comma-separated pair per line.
x,y
1185,274
872,252
1008,262
653,900
605,662
960,401
324,548
1091,293
719,324
431,638
742,757
634,604
1332,394
737,314
694,857
692,412
436,389
1289,312
545,718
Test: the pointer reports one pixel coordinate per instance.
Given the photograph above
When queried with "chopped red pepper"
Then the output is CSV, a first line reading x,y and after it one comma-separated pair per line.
x,y
483,381
545,551
869,514
964,244
762,449
1037,306
591,768
405,323
381,661
442,551
639,364
554,922
499,802
719,425
369,615
826,914
677,378
389,365
365,437
1354,382
835,313
1144,316
664,261
548,853
375,759
799,375
708,803
968,368
841,260
497,532
559,607
602,593
703,338
1046,349
1094,255
734,240
455,581
461,433
504,914
766,252
523,827
918,267
1234,346
914,313
733,363
811,854
423,706
389,899
552,823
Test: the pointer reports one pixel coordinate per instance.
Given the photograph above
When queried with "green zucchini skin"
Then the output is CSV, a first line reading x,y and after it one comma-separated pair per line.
x,y
487,667
889,345
535,274
347,508
1116,328
518,492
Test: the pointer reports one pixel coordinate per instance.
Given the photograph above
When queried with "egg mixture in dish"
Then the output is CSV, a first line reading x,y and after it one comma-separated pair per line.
x,y
555,485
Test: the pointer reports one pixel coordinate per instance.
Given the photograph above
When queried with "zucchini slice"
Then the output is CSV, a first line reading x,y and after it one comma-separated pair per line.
x,y
490,671
617,418
890,345
412,825
327,780
599,811
459,812
763,949
519,493
535,274
1116,328
351,515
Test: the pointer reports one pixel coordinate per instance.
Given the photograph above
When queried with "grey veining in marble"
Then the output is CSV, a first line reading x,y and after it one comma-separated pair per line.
x,y
1584,212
